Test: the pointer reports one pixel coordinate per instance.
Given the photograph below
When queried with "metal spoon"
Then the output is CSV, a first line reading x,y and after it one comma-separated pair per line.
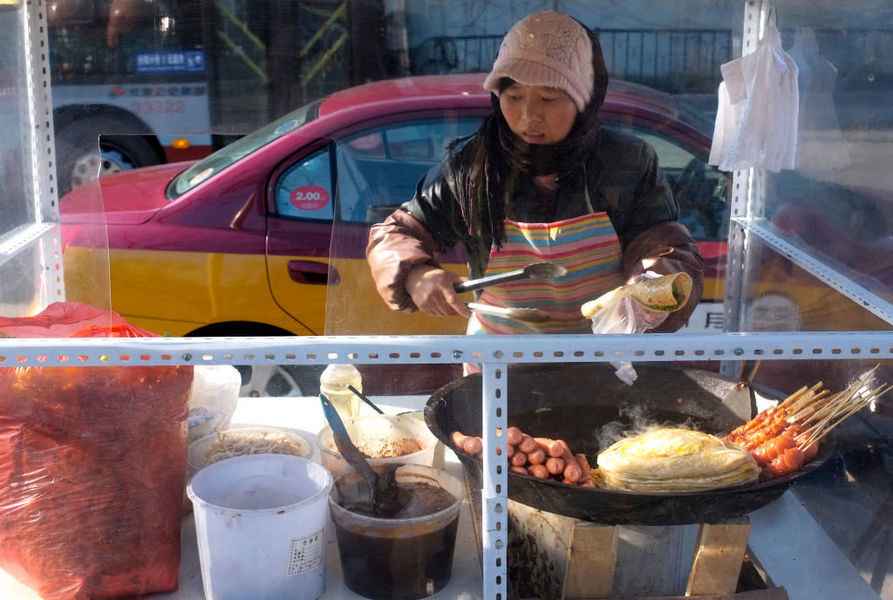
x,y
527,315
382,489
540,270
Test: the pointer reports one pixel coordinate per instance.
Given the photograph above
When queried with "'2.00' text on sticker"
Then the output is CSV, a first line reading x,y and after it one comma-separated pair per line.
x,y
309,197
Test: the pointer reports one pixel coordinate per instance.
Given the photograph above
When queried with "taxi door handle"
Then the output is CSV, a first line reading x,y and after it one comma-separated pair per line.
x,y
311,272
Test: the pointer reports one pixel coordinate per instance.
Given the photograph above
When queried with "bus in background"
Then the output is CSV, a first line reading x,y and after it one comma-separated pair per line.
x,y
134,71
154,77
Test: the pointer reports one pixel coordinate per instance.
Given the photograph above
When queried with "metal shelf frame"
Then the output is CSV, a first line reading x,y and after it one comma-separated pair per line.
x,y
821,269
494,353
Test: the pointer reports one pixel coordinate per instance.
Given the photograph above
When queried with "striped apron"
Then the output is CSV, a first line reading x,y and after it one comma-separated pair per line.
x,y
587,246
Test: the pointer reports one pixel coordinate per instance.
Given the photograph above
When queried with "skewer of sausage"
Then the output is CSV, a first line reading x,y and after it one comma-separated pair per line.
x,y
787,462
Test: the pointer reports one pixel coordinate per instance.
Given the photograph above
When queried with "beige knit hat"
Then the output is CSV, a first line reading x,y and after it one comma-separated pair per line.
x,y
546,49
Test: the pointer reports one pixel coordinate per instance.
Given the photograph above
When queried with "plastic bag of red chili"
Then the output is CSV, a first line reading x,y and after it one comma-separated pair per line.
x,y
92,465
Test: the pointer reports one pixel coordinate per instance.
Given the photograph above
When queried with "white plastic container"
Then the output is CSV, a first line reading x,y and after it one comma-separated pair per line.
x,y
198,453
334,383
375,431
260,522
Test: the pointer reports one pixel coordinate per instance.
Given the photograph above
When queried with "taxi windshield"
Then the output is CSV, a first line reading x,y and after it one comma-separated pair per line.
x,y
233,153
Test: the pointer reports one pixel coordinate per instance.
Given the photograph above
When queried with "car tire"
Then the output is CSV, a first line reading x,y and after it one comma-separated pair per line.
x,y
280,380
79,160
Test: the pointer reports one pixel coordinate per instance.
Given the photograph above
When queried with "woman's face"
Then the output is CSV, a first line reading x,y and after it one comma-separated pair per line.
x,y
536,114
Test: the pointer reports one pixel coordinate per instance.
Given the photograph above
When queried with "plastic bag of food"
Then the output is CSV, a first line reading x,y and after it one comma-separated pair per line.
x,y
92,466
212,399
639,306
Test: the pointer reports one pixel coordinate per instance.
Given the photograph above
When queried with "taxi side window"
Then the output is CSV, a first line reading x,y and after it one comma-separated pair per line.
x,y
305,191
379,169
701,191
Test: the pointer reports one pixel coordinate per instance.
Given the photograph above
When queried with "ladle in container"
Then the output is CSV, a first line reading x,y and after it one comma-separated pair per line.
x,y
382,489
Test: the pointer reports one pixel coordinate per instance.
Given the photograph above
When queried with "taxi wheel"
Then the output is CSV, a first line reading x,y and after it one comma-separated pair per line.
x,y
279,380
80,161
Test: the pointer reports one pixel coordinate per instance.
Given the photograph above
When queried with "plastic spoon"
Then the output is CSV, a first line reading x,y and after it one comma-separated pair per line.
x,y
540,270
382,489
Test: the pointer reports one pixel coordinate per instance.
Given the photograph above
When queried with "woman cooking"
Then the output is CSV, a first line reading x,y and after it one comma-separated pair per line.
x,y
539,181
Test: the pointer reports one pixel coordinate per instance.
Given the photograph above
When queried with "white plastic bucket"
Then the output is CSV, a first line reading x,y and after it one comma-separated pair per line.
x,y
260,522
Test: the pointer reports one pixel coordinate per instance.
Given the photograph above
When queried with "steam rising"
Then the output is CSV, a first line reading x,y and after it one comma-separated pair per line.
x,y
634,420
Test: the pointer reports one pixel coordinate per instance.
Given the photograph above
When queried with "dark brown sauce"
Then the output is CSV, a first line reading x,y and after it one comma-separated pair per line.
x,y
397,568
404,568
412,500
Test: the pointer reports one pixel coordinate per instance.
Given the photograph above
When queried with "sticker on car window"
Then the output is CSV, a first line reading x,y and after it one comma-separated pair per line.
x,y
309,197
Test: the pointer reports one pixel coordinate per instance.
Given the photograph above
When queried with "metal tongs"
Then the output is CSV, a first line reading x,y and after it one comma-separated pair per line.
x,y
538,271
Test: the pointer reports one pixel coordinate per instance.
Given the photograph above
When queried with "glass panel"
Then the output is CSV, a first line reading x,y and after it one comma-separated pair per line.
x,y
780,296
701,191
380,169
836,203
18,207
236,151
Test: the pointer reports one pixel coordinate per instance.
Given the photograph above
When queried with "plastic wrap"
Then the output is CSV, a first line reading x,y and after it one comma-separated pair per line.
x,y
627,310
92,467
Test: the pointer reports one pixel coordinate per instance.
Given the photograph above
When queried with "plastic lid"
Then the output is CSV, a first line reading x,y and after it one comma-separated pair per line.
x,y
339,374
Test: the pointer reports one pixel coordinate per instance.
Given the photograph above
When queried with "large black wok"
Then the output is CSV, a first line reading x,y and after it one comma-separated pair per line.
x,y
574,402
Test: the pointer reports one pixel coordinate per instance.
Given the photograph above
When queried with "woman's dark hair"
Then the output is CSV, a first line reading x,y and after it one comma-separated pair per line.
x,y
495,156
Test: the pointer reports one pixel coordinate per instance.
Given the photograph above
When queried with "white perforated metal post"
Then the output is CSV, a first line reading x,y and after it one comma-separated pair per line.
x,y
40,112
494,503
748,200
43,233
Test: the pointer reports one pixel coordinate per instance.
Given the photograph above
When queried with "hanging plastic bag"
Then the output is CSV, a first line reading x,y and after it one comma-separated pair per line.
x,y
92,466
758,113
639,306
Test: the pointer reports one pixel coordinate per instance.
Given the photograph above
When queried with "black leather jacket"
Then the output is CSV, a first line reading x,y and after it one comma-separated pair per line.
x,y
622,177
